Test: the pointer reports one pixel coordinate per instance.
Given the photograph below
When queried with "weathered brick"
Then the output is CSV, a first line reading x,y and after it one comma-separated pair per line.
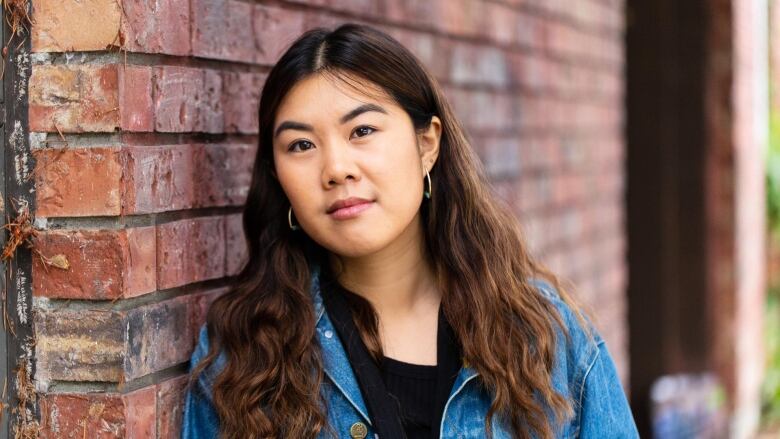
x,y
201,302
175,177
99,415
104,264
135,97
471,64
274,29
159,178
235,243
241,100
170,407
79,345
223,173
187,99
159,335
483,109
88,98
433,51
190,250
458,17
141,179
65,25
157,27
116,346
78,98
209,22
78,182
149,27
222,29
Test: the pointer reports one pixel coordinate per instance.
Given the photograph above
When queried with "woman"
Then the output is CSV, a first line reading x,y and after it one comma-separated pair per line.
x,y
386,291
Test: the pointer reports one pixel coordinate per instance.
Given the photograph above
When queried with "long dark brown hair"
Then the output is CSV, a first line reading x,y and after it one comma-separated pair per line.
x,y
270,385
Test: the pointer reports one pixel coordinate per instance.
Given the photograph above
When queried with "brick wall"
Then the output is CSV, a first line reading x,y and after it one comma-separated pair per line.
x,y
739,90
142,132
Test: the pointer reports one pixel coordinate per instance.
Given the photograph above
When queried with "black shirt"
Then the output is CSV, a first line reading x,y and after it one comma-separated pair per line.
x,y
401,397
414,387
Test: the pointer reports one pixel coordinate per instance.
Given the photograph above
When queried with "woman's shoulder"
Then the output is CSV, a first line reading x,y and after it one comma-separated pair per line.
x,y
579,342
585,370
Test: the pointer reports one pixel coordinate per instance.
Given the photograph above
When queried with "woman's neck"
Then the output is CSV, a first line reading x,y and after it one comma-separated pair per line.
x,y
397,280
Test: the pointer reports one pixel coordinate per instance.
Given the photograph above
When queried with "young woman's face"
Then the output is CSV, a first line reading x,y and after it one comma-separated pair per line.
x,y
333,144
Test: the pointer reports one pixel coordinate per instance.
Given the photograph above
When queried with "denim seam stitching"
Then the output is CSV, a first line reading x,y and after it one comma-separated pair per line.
x,y
584,381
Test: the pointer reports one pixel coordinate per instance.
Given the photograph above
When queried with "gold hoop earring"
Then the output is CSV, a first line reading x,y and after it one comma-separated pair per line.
x,y
289,220
430,186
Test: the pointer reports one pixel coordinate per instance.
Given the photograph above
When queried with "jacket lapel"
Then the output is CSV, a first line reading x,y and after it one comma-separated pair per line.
x,y
336,363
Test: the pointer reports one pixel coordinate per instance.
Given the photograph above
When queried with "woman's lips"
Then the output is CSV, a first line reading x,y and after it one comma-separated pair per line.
x,y
351,211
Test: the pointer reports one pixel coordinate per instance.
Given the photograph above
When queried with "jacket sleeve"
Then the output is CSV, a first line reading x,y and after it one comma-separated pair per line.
x,y
199,420
605,412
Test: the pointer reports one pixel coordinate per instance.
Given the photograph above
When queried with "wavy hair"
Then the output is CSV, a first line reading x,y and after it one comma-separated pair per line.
x,y
265,324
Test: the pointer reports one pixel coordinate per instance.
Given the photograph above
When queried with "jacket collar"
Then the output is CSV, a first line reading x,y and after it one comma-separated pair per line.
x,y
336,363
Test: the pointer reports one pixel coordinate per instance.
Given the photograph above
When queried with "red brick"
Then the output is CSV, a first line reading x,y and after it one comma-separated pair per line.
x,y
141,179
157,27
361,7
201,302
235,243
187,99
158,178
135,96
70,25
175,177
471,64
99,415
433,51
222,29
209,22
175,91
170,407
210,117
240,44
104,264
458,17
223,173
275,29
78,182
78,98
190,250
241,100
483,109
89,98
94,415
141,410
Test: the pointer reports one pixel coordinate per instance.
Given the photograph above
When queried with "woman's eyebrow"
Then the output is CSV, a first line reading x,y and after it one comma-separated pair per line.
x,y
292,125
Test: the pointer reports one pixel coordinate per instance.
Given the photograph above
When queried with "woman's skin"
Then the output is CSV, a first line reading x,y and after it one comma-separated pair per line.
x,y
377,156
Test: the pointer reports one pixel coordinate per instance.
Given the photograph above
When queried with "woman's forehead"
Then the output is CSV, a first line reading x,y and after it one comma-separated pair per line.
x,y
330,96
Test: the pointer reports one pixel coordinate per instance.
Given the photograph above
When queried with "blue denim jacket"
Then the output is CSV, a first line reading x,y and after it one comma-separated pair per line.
x,y
583,372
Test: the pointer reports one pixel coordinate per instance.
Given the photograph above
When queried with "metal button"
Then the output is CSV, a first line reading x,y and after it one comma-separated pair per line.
x,y
328,333
358,430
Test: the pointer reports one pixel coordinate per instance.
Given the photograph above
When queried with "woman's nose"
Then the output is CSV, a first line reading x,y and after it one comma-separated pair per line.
x,y
338,165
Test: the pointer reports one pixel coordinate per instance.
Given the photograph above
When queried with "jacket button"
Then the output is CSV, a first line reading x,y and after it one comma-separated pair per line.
x,y
358,430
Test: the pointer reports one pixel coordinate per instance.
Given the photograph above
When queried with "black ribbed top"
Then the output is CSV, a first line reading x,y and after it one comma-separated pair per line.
x,y
414,387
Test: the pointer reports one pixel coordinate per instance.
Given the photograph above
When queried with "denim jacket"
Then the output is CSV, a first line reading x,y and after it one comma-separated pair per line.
x,y
583,372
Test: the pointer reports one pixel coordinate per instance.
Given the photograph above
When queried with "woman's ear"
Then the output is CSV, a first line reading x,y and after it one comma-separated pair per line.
x,y
429,143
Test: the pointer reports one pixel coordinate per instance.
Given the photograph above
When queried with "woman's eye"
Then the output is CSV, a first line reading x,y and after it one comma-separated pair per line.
x,y
364,129
304,143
